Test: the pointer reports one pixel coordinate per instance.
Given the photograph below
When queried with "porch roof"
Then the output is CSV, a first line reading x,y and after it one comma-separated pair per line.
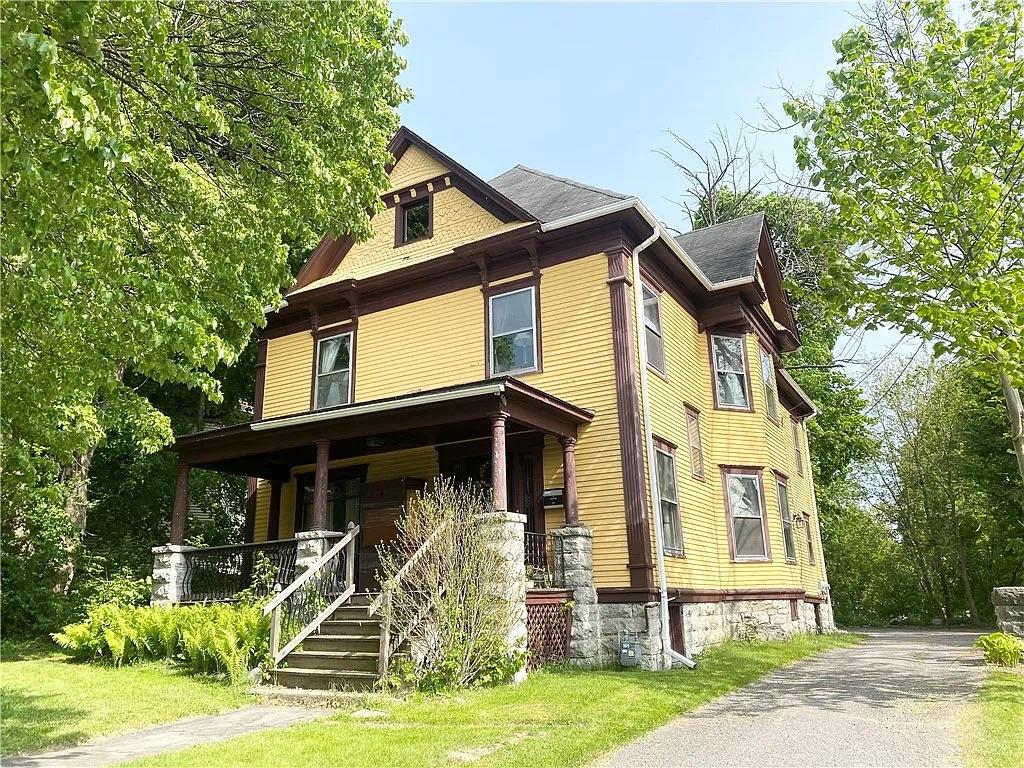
x,y
269,448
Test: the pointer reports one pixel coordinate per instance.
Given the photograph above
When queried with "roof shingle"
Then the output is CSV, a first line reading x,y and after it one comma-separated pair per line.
x,y
550,198
725,251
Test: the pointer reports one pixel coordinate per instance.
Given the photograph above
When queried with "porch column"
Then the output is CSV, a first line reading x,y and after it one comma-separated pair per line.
x,y
274,515
180,512
498,474
572,505
323,451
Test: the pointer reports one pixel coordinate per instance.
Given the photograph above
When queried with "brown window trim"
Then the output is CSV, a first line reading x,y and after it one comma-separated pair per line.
x,y
687,411
746,369
327,333
669,448
777,418
653,287
334,474
783,480
489,292
746,470
400,220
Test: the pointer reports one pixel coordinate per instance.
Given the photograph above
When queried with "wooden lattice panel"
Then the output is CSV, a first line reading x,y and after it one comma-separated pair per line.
x,y
548,627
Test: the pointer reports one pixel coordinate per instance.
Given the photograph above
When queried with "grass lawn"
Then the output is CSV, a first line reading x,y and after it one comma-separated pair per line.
x,y
557,717
50,701
994,724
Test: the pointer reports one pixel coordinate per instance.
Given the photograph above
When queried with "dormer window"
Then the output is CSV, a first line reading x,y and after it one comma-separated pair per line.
x,y
414,221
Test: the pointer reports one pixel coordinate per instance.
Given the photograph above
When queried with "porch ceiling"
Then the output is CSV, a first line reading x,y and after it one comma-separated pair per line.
x,y
271,447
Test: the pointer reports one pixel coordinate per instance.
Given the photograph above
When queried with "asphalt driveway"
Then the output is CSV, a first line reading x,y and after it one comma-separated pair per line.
x,y
893,701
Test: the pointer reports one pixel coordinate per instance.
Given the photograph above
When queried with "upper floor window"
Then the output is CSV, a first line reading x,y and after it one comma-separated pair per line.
x,y
745,504
810,538
512,333
693,438
729,358
787,519
333,371
771,396
652,330
668,500
798,447
414,221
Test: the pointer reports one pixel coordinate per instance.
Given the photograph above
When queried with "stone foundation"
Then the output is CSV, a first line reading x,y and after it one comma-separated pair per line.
x,y
707,624
642,618
574,562
1009,604
168,574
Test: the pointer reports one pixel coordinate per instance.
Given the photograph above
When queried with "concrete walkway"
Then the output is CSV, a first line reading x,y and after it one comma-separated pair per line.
x,y
893,701
177,735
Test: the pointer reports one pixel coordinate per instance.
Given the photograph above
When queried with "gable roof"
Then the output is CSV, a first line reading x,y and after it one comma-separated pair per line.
x,y
726,251
548,197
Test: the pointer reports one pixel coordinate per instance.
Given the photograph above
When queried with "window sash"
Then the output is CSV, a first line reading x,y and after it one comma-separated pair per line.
x,y
810,540
723,373
532,328
798,448
668,498
406,210
335,373
742,519
693,438
787,521
770,390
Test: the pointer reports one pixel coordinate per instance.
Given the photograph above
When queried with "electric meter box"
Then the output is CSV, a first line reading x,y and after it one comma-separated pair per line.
x,y
629,649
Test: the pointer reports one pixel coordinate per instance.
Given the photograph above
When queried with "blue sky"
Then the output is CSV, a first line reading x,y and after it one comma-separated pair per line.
x,y
586,90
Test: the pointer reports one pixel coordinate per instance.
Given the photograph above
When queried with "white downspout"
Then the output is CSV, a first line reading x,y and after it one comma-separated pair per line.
x,y
652,464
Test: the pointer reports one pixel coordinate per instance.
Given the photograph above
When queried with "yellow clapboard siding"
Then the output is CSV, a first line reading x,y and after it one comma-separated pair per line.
x,y
288,375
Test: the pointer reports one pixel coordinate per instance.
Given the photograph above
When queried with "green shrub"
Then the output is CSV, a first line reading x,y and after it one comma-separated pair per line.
x,y
1001,648
226,640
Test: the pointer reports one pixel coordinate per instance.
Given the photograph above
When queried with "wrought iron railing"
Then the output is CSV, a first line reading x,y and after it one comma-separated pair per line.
x,y
544,566
220,573
301,607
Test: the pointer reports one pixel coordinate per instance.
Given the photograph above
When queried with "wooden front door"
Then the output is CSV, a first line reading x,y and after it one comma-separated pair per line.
x,y
380,507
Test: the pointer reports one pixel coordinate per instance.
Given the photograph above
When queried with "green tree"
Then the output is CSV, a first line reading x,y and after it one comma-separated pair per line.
x,y
919,146
156,158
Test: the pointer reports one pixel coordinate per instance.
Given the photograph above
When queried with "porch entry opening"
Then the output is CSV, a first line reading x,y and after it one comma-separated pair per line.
x,y
343,495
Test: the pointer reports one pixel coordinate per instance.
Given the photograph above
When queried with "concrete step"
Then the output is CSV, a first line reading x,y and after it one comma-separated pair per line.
x,y
351,642
363,626
339,661
324,679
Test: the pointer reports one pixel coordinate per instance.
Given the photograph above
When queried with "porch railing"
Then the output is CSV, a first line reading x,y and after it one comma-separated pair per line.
x,y
299,610
544,566
219,573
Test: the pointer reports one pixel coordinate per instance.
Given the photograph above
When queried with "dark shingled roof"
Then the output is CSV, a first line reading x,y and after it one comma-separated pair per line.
x,y
548,197
725,251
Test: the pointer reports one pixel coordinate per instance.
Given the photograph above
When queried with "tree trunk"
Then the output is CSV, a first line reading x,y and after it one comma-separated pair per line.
x,y
75,475
1016,413
965,577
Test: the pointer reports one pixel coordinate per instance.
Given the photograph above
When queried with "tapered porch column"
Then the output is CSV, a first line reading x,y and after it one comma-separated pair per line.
x,y
572,505
498,476
274,514
323,451
180,511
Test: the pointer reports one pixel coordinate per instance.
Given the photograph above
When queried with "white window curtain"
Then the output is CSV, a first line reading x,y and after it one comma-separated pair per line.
x,y
730,371
652,329
513,341
747,525
787,522
669,502
333,371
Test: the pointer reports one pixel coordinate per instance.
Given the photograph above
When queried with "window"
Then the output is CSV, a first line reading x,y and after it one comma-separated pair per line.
x,y
787,520
810,539
771,397
513,336
729,358
343,495
333,371
746,515
693,437
798,448
652,329
669,501
413,221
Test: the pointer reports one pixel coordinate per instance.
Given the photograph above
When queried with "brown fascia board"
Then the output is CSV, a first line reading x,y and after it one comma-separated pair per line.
x,y
775,289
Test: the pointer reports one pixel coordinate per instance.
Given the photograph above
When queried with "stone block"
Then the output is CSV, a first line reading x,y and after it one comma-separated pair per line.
x,y
1008,596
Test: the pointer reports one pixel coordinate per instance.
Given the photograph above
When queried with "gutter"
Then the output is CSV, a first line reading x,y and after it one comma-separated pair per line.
x,y
652,464
639,207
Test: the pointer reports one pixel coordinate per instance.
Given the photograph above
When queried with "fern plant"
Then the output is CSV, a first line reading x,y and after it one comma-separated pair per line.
x,y
1001,648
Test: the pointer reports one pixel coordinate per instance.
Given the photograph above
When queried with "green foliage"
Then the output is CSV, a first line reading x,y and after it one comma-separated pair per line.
x,y
919,146
226,640
159,162
1001,648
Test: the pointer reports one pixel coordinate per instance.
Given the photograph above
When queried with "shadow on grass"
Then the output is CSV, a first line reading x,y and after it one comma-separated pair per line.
x,y
33,722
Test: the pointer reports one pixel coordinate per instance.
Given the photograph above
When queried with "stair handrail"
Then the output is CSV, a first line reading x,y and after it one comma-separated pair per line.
x,y
273,607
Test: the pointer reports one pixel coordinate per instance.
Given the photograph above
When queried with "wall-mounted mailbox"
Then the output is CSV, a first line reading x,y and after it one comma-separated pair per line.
x,y
554,497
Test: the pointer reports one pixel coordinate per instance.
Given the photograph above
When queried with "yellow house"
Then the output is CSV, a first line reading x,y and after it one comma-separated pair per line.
x,y
621,389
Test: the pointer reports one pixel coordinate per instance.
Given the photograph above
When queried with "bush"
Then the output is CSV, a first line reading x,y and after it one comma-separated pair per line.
x,y
226,640
1001,648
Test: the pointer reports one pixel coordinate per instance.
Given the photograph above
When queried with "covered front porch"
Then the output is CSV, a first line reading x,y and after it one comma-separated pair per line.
x,y
320,474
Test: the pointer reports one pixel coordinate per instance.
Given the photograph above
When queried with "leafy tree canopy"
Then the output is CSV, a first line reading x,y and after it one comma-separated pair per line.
x,y
920,148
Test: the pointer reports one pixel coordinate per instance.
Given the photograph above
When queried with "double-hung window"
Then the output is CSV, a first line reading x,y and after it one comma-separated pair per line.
x,y
798,447
771,396
693,438
787,519
729,359
653,338
512,335
810,539
743,499
669,501
333,371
